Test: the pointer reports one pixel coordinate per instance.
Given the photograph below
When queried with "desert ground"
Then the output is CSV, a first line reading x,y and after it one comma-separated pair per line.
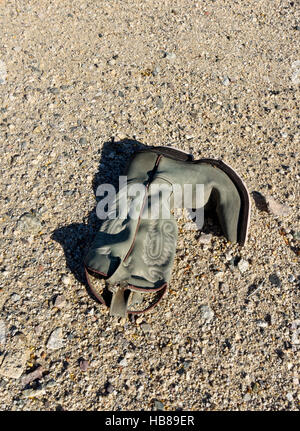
x,y
82,86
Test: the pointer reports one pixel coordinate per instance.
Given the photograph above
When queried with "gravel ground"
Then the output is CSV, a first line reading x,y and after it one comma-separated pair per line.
x,y
83,84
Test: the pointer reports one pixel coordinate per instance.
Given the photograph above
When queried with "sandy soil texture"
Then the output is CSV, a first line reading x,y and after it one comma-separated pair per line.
x,y
218,79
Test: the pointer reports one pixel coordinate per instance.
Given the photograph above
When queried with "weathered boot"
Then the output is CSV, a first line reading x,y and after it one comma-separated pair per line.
x,y
134,252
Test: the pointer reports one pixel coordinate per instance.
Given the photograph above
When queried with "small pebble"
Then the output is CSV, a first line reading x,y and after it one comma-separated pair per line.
x,y
296,235
228,256
247,397
53,90
82,141
205,238
226,81
38,329
145,327
296,72
60,301
156,71
295,338
34,375
189,137
15,359
275,280
68,192
219,275
109,388
84,365
158,405
81,293
139,320
32,393
243,265
50,384
66,280
170,55
15,297
55,341
2,332
277,208
206,313
3,72
159,103
262,323
29,223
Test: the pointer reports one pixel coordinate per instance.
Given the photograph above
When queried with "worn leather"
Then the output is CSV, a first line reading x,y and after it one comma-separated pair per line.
x,y
139,252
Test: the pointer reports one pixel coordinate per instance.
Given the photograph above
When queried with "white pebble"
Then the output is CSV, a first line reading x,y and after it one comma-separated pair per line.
x,y
247,397
66,280
243,265
206,313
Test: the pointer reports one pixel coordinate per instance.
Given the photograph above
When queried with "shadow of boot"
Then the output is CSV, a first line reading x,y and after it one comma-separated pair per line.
x,y
76,238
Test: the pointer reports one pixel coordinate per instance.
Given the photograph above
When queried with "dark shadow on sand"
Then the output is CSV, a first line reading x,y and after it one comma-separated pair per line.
x,y
76,238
